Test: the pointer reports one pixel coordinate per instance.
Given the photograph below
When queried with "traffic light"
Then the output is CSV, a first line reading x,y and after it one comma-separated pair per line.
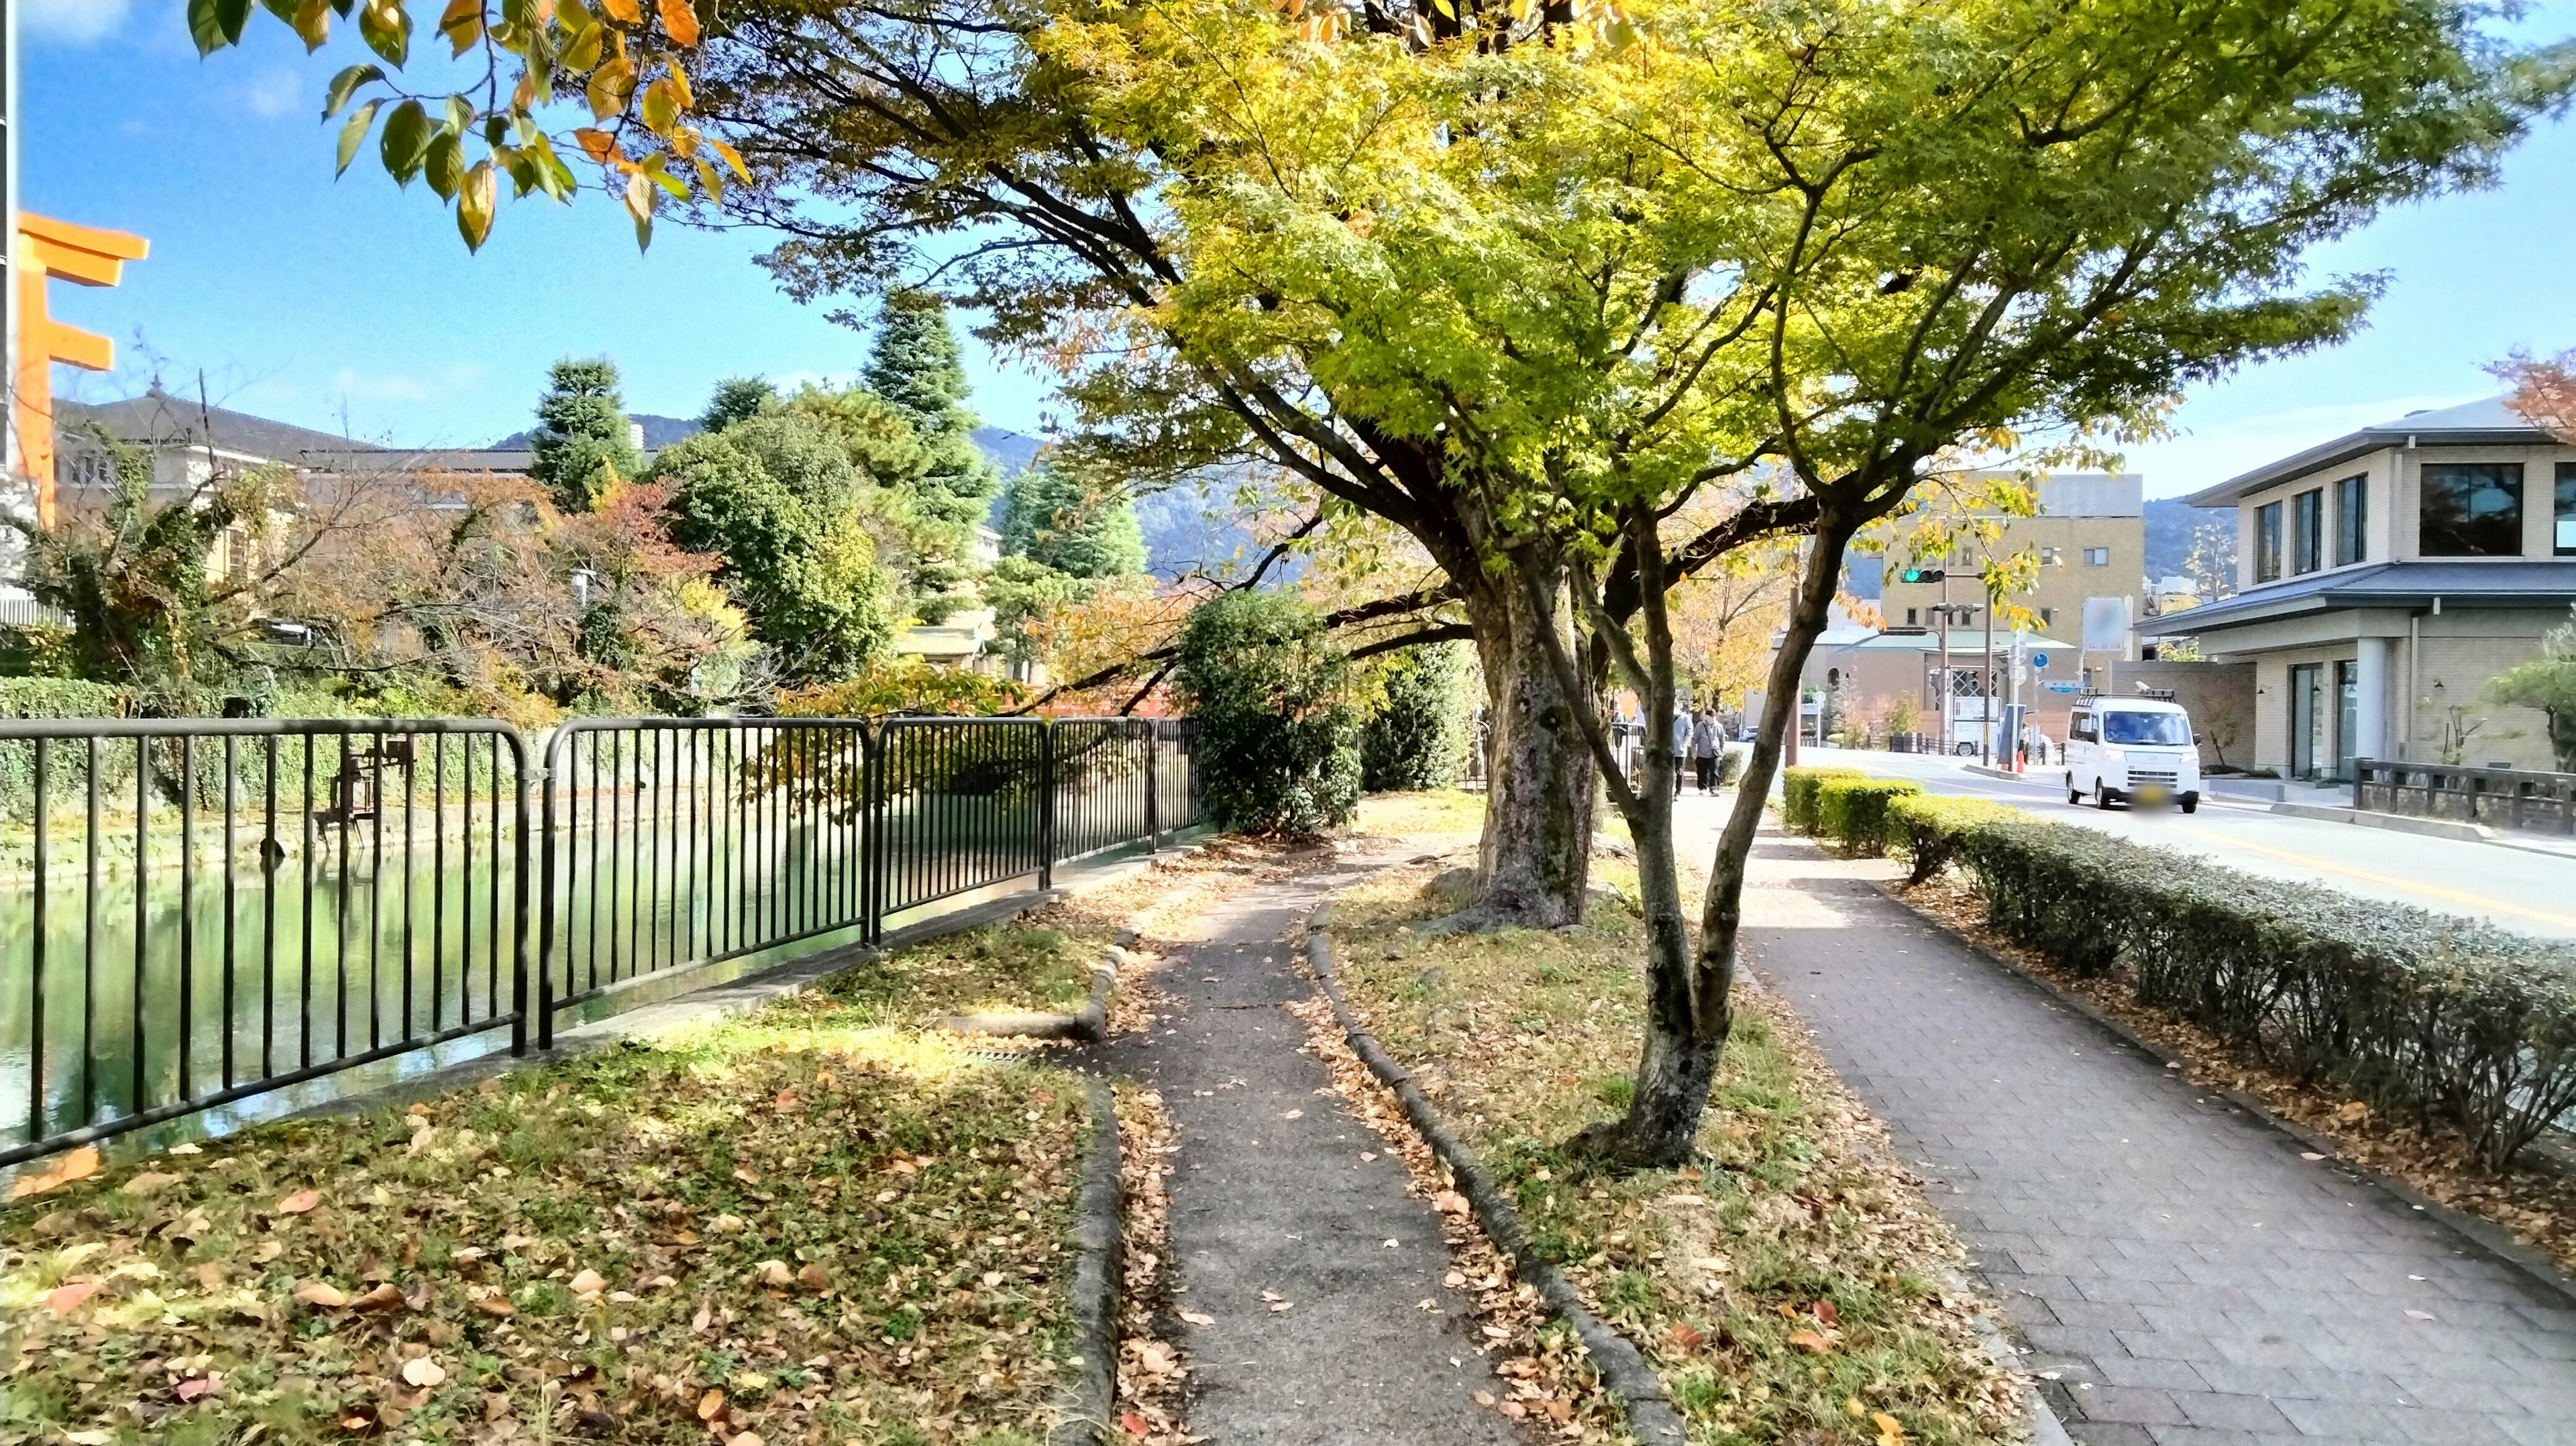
x,y
1922,574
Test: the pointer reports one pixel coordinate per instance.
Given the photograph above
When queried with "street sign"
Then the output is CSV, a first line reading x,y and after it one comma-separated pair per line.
x,y
2060,685
2039,660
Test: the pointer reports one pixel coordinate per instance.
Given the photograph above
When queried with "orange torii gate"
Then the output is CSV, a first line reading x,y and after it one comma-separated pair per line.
x,y
48,249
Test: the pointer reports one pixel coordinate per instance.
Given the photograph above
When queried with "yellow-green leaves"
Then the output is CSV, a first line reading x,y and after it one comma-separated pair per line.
x,y
474,202
406,141
214,24
622,57
346,84
354,133
386,29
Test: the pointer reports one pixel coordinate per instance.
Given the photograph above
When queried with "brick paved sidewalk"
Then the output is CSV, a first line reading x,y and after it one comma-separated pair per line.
x,y
2187,1276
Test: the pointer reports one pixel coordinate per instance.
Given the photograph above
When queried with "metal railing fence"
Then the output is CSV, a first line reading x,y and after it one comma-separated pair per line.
x,y
2501,797
211,909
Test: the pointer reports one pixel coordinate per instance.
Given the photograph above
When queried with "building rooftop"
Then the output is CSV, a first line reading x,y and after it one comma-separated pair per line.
x,y
2531,583
2488,422
159,419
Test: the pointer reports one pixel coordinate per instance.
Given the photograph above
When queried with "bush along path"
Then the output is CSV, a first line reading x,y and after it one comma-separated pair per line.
x,y
2182,1270
1313,1289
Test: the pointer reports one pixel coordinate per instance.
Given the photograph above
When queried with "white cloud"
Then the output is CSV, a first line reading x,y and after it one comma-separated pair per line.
x,y
272,93
77,22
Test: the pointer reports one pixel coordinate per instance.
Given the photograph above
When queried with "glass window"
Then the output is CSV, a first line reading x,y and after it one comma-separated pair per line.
x,y
2563,516
2052,557
2267,542
2308,531
1913,617
2154,729
2352,520
2097,557
2472,509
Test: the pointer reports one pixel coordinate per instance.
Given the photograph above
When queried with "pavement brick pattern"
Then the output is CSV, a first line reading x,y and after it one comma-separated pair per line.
x,y
2185,1274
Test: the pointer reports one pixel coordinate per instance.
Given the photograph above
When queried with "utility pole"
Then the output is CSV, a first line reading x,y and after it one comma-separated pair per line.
x,y
1986,702
1949,732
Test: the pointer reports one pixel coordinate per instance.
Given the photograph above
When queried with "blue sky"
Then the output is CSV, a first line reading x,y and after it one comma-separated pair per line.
x,y
311,301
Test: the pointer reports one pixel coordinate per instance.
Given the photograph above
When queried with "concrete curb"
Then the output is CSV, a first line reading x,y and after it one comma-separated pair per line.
x,y
1085,1025
1623,1368
2488,1236
1090,1400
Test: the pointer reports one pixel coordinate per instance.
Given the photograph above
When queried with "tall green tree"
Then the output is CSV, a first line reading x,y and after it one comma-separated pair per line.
x,y
1054,516
583,444
737,399
1525,280
916,369
1278,744
776,498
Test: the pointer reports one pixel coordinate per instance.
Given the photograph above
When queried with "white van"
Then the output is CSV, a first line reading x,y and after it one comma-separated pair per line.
x,y
2132,750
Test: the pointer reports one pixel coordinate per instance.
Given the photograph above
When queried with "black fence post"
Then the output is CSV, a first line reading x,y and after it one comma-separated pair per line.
x,y
1046,804
519,904
1153,787
872,833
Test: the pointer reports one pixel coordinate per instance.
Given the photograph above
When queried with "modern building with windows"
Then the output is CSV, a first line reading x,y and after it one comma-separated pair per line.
x,y
2384,577
2089,541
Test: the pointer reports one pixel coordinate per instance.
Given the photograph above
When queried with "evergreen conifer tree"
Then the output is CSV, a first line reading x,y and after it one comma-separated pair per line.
x,y
916,368
1050,516
582,444
737,399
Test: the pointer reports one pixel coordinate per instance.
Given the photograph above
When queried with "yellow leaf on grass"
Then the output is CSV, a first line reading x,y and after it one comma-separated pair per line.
x,y
1889,1432
78,1164
710,1405
321,1295
1810,1341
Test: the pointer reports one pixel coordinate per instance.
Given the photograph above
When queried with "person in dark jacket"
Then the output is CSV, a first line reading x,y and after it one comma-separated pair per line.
x,y
1704,746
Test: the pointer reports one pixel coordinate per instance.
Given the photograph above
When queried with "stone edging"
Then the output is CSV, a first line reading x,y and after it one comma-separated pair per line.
x,y
1086,1024
2488,1236
1623,1368
1086,1406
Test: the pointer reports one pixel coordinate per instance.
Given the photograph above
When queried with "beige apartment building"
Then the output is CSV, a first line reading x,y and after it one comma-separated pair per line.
x,y
2384,577
2089,539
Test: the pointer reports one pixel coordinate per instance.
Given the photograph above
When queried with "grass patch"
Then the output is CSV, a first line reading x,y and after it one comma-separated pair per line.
x,y
1412,815
999,968
1786,1292
799,1223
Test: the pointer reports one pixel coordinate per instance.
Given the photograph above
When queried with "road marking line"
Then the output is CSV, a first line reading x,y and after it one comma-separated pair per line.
x,y
2478,901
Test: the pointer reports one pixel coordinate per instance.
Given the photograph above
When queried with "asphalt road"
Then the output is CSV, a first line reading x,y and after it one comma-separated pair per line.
x,y
2532,893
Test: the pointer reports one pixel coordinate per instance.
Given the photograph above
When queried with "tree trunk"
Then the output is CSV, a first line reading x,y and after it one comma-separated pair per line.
x,y
1535,859
1688,1011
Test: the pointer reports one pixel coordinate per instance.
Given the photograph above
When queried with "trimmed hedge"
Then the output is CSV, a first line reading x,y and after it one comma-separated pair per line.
x,y
1923,828
1798,789
2419,1014
1854,812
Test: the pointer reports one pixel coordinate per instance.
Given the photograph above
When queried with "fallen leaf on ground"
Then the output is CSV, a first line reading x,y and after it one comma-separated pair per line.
x,y
385,1296
196,1386
67,1298
299,1203
1889,1432
1810,1341
321,1295
149,1182
78,1164
2419,1315
589,1282
424,1372
1484,1398
710,1405
1449,1202
1197,1318
1134,1425
812,1278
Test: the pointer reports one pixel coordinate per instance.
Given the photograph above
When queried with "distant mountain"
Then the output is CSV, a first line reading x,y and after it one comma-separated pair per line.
x,y
659,432
2170,525
1008,449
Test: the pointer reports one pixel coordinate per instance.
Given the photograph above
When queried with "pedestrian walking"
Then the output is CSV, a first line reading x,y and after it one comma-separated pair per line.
x,y
1681,737
1704,746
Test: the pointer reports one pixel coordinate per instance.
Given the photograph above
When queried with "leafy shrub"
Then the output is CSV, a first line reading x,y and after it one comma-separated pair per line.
x,y
1854,811
1798,788
1418,738
1277,737
1923,827
1731,763
2419,1014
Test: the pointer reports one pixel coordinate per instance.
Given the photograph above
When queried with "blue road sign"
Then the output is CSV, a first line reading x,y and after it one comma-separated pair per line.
x,y
2039,660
